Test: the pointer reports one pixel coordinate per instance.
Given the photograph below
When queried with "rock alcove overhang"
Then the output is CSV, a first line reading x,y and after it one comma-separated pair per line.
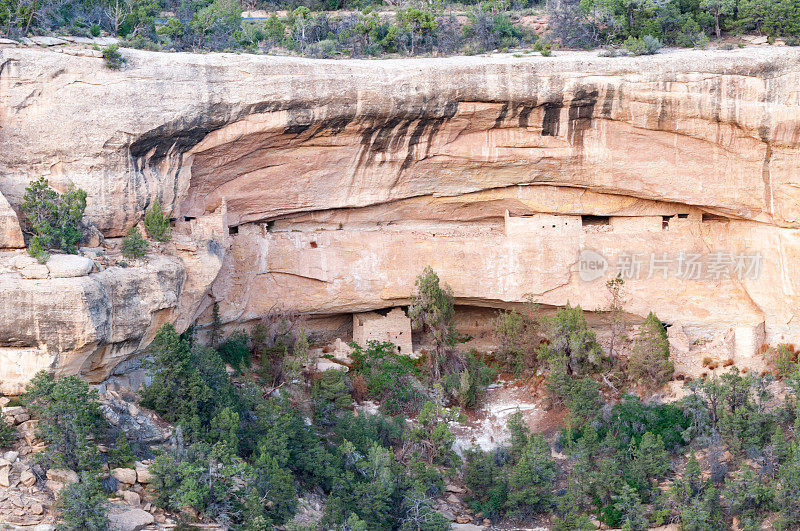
x,y
340,215
343,179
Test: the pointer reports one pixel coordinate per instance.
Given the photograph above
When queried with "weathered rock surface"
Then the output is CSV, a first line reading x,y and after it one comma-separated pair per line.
x,y
128,519
68,266
88,324
346,178
124,475
276,135
10,231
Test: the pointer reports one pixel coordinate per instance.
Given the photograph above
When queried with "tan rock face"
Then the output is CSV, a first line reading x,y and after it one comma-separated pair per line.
x,y
89,324
345,178
10,231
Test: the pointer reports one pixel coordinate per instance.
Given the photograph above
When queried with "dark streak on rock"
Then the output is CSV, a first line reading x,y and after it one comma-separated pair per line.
x,y
608,102
581,111
767,178
552,118
502,116
525,114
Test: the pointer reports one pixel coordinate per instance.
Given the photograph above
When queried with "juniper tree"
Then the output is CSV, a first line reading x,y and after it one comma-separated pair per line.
x,y
54,218
649,362
432,310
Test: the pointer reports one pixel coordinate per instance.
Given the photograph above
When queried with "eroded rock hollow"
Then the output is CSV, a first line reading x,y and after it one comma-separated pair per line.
x,y
325,187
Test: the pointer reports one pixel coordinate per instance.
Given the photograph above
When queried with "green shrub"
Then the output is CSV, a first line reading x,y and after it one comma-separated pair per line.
x,y
54,218
133,244
156,224
543,47
518,342
631,419
785,360
235,351
648,45
70,420
8,434
114,59
634,45
276,488
432,433
531,480
209,480
331,393
121,455
94,30
188,385
83,506
392,379
572,338
365,430
649,362
431,311
483,476
468,386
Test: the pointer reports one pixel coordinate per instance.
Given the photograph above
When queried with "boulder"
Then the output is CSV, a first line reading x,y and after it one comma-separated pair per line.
x,y
91,237
13,411
452,498
143,474
48,41
131,498
85,325
124,475
5,471
128,519
30,268
105,41
64,476
77,40
69,265
36,508
27,477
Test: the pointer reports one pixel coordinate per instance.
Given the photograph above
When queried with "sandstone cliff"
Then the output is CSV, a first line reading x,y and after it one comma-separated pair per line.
x,y
343,179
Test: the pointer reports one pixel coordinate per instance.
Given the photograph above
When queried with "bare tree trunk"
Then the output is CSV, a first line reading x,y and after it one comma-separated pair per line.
x,y
30,18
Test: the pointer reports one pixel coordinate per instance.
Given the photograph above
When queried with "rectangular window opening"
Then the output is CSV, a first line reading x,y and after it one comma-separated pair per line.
x,y
233,230
592,221
713,217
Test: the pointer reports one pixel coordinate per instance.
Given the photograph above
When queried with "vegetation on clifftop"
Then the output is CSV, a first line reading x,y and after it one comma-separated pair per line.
x,y
365,28
53,219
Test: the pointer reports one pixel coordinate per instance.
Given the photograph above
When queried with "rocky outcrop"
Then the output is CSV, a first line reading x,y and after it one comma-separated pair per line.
x,y
341,180
10,231
80,323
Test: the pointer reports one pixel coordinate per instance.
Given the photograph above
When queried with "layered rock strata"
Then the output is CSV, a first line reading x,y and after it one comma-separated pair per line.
x,y
343,179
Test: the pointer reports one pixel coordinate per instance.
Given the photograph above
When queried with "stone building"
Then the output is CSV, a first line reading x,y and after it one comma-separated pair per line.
x,y
395,326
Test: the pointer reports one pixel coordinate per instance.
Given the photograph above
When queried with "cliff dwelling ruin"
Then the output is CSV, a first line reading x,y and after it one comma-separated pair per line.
x,y
329,202
394,327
